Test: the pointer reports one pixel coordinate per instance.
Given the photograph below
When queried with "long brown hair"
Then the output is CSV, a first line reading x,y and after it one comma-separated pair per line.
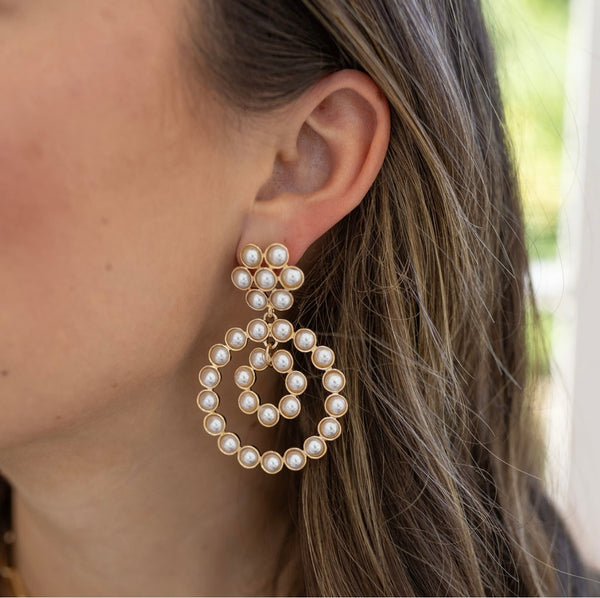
x,y
435,487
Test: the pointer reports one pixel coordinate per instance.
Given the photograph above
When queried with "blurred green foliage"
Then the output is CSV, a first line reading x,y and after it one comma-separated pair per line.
x,y
531,41
531,38
538,334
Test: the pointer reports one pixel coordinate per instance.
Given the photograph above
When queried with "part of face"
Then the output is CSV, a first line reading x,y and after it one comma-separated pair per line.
x,y
116,217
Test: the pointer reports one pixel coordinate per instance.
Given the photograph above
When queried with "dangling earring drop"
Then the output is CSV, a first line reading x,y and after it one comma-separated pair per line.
x,y
268,282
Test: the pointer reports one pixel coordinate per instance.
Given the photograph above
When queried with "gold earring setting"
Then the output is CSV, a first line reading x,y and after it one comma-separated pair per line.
x,y
268,282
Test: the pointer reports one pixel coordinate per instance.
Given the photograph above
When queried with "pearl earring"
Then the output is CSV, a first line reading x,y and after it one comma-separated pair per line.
x,y
259,277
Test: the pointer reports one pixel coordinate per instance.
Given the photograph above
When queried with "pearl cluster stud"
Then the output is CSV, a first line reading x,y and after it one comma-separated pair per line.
x,y
268,281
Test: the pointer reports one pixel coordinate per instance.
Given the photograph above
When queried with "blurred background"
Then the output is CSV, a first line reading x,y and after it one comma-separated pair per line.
x,y
549,61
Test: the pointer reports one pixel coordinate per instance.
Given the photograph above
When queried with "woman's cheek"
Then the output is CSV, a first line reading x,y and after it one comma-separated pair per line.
x,y
85,218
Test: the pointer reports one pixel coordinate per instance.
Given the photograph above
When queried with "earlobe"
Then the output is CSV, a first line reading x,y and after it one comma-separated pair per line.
x,y
333,140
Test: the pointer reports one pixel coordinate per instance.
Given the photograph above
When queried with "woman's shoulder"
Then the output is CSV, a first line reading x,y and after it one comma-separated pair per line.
x,y
575,576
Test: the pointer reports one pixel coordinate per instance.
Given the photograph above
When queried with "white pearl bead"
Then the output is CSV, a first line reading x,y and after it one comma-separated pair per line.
x,y
251,256
265,279
244,377
295,459
336,405
219,355
292,277
229,443
258,359
248,456
277,255
236,338
289,406
257,330
207,400
248,402
305,340
209,376
295,382
334,381
214,424
281,299
315,447
282,330
329,428
271,462
256,300
268,415
282,361
242,279
323,357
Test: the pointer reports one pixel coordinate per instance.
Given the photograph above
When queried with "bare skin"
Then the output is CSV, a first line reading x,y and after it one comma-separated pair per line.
x,y
124,201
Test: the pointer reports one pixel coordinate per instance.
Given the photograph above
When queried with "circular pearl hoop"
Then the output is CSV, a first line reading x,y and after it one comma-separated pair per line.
x,y
268,282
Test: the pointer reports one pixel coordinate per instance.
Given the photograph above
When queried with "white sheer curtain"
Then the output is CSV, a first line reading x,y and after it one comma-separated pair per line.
x,y
575,395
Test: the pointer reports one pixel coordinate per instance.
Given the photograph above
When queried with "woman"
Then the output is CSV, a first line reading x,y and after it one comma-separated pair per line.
x,y
144,144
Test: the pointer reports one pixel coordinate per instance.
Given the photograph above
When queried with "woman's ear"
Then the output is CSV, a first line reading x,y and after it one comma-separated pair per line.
x,y
331,143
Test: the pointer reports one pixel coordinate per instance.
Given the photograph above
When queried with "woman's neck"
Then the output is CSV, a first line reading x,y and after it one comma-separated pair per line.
x,y
137,500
